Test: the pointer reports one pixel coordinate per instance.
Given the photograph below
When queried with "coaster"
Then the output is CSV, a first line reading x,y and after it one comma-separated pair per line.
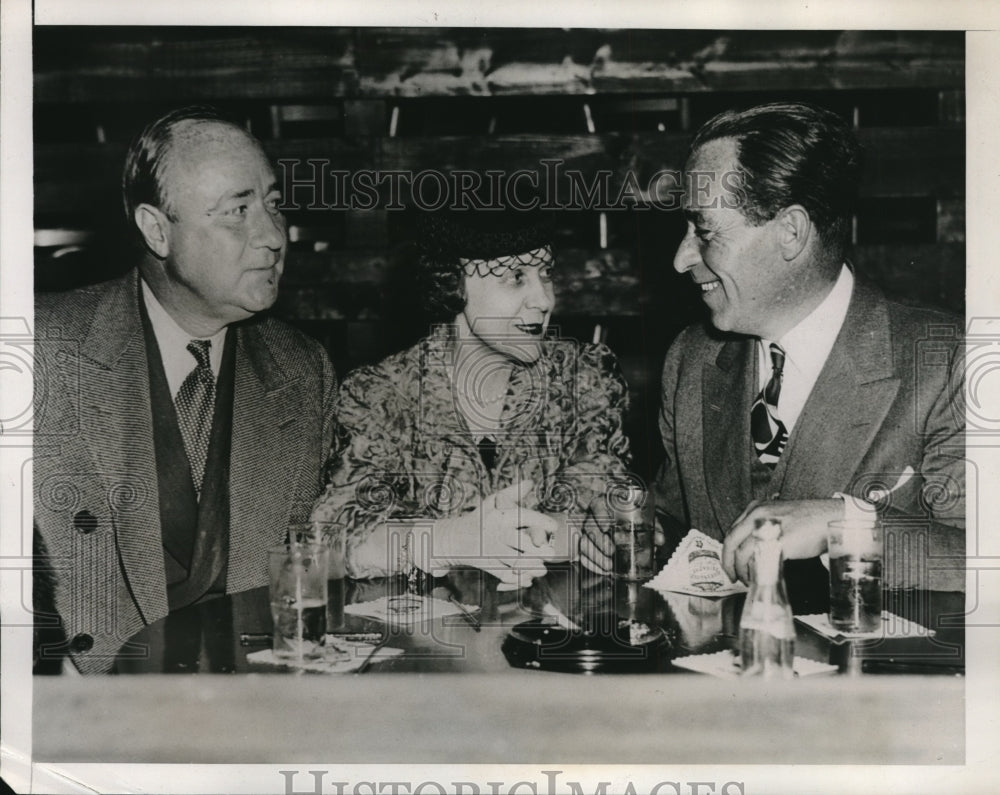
x,y
893,626
339,657
407,610
726,665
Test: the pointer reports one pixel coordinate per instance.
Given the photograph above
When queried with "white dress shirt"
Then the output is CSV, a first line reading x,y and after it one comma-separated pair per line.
x,y
172,340
807,347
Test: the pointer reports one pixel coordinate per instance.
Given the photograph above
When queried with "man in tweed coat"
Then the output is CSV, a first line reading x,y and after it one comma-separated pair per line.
x,y
178,433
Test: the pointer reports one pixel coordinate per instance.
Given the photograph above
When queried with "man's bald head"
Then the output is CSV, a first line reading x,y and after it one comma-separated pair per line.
x,y
149,156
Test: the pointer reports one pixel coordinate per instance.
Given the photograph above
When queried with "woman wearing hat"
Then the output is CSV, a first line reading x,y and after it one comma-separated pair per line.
x,y
486,444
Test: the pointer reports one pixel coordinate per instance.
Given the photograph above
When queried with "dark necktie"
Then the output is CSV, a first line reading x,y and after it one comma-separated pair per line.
x,y
195,402
768,432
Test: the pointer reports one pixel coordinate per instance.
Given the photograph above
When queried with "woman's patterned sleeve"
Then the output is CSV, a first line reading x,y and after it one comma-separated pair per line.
x,y
366,458
598,449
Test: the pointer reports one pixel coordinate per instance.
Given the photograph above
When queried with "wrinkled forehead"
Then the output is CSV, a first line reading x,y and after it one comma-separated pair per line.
x,y
497,267
198,146
713,178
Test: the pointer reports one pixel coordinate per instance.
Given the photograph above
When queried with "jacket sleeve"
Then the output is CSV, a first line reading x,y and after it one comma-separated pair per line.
x,y
925,524
667,487
596,450
367,461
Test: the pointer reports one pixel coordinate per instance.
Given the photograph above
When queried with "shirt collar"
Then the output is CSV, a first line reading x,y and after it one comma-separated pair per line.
x,y
808,344
173,341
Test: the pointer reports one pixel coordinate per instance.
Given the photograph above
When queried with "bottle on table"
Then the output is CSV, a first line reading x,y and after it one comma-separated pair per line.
x,y
767,629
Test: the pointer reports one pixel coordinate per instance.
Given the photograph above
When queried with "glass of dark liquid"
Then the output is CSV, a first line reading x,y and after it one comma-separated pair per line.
x,y
855,548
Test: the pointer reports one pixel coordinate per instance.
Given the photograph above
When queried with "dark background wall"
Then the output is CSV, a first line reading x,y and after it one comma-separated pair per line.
x,y
617,101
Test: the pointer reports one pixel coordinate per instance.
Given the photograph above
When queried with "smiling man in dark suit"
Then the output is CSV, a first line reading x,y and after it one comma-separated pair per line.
x,y
812,397
178,433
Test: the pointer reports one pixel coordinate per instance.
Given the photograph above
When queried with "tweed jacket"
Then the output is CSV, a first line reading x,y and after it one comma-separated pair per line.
x,y
405,451
95,481
889,397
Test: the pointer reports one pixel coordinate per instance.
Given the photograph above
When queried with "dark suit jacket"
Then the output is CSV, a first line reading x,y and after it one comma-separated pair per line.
x,y
95,480
889,396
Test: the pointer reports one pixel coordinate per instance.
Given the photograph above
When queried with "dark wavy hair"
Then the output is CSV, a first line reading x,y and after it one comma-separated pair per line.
x,y
440,284
142,177
794,153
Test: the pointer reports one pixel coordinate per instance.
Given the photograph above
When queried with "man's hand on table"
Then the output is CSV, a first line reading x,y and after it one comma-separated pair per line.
x,y
803,531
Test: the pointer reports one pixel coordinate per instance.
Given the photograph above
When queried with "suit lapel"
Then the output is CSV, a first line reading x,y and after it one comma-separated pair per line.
x,y
265,456
726,386
116,420
852,395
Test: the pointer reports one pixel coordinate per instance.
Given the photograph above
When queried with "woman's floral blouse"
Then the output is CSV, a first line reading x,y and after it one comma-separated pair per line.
x,y
404,450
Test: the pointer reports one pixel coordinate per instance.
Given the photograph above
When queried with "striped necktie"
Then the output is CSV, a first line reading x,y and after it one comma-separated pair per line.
x,y
195,403
768,432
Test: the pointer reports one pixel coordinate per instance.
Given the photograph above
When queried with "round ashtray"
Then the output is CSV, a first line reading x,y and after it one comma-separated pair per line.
x,y
604,644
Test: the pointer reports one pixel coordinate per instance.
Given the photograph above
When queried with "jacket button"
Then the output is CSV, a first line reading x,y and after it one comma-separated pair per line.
x,y
85,522
81,643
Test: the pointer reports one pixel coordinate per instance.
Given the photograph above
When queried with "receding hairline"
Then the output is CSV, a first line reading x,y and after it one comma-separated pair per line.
x,y
192,132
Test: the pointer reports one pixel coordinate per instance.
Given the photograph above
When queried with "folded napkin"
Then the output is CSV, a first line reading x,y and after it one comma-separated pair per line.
x,y
726,664
696,568
893,626
339,657
408,610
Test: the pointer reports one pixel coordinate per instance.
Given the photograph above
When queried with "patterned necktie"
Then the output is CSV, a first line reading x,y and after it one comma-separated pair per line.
x,y
195,402
768,432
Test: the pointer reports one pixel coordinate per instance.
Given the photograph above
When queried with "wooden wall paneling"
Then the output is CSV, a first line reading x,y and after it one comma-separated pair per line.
x,y
913,161
906,220
885,44
846,74
135,64
366,229
951,106
508,153
590,282
82,180
182,65
365,117
931,274
77,183
307,121
951,220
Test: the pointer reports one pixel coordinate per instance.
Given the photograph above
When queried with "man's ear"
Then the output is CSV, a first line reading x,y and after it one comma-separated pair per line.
x,y
795,229
152,223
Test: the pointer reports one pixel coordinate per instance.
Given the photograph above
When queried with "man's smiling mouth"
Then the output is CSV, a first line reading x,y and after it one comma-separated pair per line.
x,y
534,329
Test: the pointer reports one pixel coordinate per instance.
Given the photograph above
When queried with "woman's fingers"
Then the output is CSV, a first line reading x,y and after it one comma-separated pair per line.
x,y
539,527
594,557
507,499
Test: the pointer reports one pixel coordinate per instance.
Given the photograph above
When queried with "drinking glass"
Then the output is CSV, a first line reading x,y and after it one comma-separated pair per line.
x,y
632,530
298,588
855,548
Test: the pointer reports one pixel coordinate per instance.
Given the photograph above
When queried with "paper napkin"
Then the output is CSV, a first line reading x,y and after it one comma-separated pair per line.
x,y
695,568
408,610
893,626
339,657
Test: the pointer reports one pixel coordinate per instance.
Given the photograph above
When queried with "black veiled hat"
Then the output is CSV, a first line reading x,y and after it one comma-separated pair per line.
x,y
482,234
